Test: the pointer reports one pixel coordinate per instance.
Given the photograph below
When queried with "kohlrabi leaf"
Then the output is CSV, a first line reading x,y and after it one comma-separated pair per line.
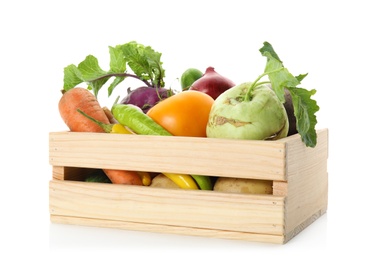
x,y
268,48
304,107
304,110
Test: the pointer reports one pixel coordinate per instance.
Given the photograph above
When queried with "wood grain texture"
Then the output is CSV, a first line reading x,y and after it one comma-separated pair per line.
x,y
307,182
299,174
195,209
179,230
203,156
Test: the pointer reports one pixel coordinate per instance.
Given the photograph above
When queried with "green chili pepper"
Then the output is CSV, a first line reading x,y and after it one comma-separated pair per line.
x,y
136,120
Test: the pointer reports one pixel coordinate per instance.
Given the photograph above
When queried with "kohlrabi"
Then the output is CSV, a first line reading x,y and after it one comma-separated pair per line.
x,y
255,110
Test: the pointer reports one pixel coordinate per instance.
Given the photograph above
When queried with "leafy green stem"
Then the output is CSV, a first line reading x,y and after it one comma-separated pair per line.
x,y
257,83
123,75
144,62
304,106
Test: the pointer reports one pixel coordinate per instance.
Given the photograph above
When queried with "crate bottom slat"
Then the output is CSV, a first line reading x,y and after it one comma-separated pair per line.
x,y
188,231
200,209
166,229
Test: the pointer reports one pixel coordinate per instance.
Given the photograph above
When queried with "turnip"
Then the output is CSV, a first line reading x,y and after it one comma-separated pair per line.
x,y
255,110
212,83
145,97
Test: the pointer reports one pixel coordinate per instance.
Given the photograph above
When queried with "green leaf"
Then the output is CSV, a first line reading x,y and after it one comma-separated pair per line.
x,y
279,76
117,65
113,85
92,74
304,107
117,60
90,69
72,77
97,84
144,62
301,77
268,48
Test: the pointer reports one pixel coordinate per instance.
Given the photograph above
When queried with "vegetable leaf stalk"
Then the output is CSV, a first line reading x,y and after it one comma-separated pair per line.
x,y
304,106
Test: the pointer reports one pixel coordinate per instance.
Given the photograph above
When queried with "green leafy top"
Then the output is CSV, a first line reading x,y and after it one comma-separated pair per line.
x,y
144,62
304,107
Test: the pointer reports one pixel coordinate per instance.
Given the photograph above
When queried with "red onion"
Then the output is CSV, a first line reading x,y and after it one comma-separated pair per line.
x,y
212,83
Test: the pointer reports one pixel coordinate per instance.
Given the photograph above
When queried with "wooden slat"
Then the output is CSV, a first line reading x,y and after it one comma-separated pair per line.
x,y
307,184
261,214
179,230
204,156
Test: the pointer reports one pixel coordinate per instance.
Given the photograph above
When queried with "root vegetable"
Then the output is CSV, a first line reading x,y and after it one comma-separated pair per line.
x,y
290,113
161,181
145,97
239,185
82,99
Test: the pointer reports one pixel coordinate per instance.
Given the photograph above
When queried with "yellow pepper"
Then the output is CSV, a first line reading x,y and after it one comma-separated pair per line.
x,y
119,129
183,181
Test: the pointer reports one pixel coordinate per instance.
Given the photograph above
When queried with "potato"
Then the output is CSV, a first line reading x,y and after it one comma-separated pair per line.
x,y
239,185
161,181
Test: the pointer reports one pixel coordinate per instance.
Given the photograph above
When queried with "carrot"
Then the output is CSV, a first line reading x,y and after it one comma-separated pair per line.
x,y
123,177
82,99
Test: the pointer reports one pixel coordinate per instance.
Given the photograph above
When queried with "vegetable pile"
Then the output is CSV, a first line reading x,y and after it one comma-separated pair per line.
x,y
209,105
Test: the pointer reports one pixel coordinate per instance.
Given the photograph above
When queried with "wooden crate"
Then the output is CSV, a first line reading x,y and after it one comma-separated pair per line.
x,y
299,174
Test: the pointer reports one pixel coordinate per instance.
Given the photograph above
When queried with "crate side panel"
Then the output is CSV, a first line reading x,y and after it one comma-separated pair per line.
x,y
197,209
147,227
203,156
307,193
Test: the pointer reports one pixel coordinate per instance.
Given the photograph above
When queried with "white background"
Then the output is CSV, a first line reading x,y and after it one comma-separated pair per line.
x,y
327,39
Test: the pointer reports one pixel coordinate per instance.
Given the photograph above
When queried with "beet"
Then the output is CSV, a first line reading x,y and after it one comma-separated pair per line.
x,y
145,97
290,113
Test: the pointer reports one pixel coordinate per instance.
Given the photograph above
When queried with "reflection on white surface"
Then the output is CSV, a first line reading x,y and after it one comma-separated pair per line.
x,y
83,237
